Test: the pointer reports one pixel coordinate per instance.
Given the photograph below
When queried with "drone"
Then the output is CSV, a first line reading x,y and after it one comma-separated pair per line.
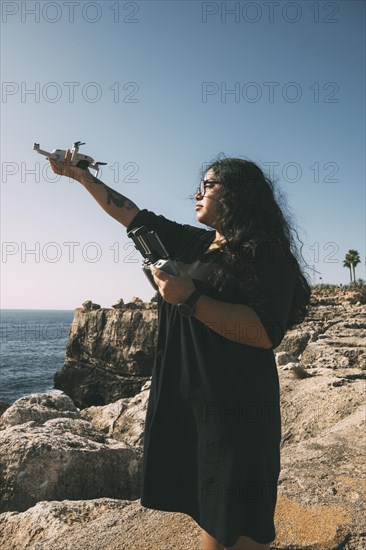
x,y
81,161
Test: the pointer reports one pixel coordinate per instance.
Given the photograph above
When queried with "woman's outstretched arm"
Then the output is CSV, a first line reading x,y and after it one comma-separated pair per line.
x,y
116,205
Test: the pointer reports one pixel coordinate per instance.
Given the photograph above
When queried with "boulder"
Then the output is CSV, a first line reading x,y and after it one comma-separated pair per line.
x,y
282,358
39,407
289,366
123,420
88,304
64,458
295,341
137,300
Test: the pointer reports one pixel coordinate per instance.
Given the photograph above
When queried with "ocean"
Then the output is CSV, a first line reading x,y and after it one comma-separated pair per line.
x,y
32,348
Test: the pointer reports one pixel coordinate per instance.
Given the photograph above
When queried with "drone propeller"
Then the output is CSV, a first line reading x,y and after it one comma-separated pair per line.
x,y
102,163
78,143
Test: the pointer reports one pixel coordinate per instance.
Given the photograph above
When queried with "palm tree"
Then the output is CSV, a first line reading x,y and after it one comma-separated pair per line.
x,y
346,263
351,260
355,260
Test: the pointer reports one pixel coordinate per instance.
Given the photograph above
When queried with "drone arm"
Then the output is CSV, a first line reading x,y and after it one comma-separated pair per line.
x,y
45,153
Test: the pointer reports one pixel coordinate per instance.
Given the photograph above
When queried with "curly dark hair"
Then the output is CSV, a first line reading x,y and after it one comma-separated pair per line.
x,y
250,215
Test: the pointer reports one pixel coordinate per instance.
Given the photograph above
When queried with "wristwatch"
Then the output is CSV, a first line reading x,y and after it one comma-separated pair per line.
x,y
186,308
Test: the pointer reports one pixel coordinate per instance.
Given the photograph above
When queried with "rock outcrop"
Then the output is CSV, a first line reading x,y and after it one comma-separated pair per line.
x,y
109,354
39,407
123,420
60,457
88,304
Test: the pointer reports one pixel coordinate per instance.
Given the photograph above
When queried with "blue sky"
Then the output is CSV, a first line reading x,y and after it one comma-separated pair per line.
x,y
157,89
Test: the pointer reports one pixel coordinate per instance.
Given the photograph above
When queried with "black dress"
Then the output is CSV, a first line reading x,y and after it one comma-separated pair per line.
x,y
213,423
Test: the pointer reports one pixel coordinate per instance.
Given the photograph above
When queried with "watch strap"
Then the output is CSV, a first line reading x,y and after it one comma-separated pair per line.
x,y
186,308
192,298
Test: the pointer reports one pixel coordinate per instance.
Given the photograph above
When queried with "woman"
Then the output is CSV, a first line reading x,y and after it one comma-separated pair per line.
x,y
213,423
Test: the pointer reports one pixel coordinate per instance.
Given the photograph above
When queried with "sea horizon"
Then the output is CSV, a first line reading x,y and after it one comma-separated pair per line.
x,y
33,309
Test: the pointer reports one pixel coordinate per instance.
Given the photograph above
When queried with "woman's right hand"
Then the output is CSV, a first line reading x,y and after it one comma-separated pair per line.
x,y
65,168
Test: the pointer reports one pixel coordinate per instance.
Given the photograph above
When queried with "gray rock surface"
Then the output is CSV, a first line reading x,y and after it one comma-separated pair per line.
x,y
61,458
296,340
112,524
102,524
313,405
39,407
341,344
88,304
123,420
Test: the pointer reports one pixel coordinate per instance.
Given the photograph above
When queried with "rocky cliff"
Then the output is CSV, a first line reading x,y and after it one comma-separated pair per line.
x,y
70,477
109,354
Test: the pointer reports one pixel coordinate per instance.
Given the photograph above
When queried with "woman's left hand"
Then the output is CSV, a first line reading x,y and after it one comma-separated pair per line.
x,y
173,289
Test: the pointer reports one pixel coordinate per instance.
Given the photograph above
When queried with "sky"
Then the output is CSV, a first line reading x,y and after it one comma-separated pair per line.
x,y
158,89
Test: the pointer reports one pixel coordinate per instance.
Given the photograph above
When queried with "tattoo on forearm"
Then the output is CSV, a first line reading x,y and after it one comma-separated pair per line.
x,y
116,198
95,180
